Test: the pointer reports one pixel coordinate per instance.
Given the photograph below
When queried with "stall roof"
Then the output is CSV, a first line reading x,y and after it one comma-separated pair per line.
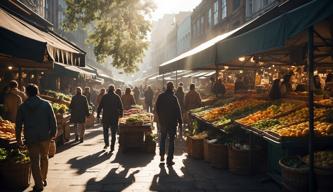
x,y
23,40
275,33
71,71
204,56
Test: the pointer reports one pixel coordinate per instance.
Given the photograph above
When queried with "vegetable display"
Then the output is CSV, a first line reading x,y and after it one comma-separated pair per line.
x,y
7,130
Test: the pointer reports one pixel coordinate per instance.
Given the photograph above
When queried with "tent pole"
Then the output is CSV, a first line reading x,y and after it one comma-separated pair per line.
x,y
163,82
310,104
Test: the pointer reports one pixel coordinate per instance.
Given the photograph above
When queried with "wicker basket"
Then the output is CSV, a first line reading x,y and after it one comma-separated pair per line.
x,y
206,151
52,148
15,176
324,180
239,161
218,154
189,144
294,178
197,148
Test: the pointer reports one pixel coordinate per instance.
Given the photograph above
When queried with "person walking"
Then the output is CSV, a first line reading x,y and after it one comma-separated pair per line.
x,y
40,126
14,89
118,92
128,99
87,94
79,111
169,116
149,95
100,96
12,101
112,110
180,95
192,99
137,93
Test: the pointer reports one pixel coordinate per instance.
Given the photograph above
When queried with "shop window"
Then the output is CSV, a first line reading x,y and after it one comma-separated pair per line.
x,y
210,17
235,4
224,8
216,12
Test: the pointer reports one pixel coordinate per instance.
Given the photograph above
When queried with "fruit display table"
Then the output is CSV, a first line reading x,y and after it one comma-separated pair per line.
x,y
134,129
7,134
63,133
281,126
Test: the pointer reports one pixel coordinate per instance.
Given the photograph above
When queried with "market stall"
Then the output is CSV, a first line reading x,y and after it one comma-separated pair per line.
x,y
136,131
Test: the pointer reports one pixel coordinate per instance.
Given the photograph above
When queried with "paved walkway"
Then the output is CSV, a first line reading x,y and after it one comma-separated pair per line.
x,y
86,167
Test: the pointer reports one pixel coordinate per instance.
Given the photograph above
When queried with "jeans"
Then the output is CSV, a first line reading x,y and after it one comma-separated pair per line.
x,y
149,105
164,134
114,128
38,153
79,130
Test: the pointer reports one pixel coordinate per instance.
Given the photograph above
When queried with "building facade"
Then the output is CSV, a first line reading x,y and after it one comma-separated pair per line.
x,y
214,17
184,36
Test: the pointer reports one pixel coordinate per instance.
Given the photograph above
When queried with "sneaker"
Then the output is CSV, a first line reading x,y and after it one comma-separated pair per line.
x,y
162,158
106,146
170,163
76,138
81,140
44,183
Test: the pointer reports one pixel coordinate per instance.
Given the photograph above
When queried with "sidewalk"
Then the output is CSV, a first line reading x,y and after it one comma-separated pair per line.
x,y
87,167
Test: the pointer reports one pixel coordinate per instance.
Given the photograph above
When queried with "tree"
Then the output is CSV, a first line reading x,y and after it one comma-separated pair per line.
x,y
116,28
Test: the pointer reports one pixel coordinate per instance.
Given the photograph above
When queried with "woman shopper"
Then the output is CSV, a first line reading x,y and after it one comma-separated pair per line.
x,y
79,111
127,99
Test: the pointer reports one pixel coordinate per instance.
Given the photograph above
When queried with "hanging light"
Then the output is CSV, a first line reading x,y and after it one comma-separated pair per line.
x,y
241,71
252,60
241,59
10,67
226,67
273,65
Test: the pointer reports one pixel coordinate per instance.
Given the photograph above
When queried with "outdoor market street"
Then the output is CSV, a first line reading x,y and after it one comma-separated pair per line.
x,y
86,167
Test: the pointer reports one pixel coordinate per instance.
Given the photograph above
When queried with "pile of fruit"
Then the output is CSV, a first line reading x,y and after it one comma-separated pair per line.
x,y
322,159
7,130
136,116
221,122
264,124
270,112
59,108
302,129
58,95
325,102
215,114
14,156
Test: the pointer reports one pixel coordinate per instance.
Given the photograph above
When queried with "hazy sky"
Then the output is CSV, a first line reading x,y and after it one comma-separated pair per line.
x,y
173,6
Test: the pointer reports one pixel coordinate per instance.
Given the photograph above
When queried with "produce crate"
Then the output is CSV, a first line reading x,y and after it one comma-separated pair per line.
x,y
218,154
133,137
15,176
151,147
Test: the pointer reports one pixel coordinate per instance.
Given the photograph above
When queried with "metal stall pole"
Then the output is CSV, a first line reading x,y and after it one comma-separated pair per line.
x,y
310,58
176,78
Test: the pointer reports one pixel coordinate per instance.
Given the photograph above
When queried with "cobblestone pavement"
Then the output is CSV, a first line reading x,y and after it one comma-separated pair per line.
x,y
87,167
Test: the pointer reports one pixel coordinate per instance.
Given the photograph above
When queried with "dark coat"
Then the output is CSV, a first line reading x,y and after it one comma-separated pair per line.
x,y
181,98
112,108
79,109
168,111
38,119
149,94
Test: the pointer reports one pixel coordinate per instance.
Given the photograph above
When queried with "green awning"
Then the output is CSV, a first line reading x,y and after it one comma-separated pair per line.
x,y
274,33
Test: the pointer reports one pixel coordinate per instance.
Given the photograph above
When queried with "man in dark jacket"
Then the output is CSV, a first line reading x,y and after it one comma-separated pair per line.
x,y
112,109
40,127
149,94
79,111
169,115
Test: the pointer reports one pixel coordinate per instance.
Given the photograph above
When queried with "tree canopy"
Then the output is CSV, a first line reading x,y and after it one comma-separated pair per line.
x,y
116,28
